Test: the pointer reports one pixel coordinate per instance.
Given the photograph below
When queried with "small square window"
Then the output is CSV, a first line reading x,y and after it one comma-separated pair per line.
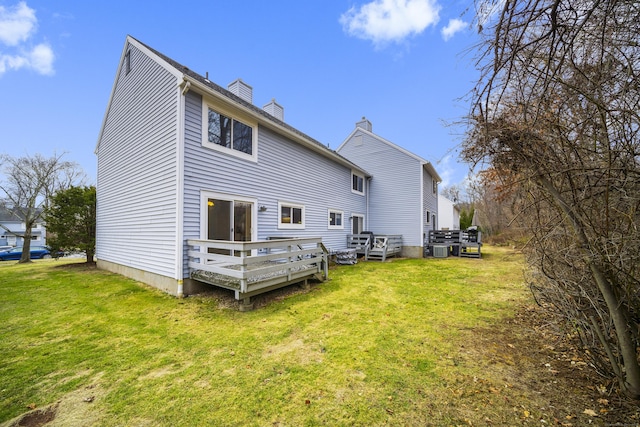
x,y
290,215
336,219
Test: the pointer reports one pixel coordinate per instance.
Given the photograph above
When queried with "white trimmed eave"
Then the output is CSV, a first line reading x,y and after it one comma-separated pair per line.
x,y
432,171
283,130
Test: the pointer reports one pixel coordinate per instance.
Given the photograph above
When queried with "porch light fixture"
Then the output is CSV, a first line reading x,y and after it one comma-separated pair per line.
x,y
262,208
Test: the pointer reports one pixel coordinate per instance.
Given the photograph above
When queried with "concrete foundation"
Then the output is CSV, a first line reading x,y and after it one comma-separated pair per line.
x,y
412,252
164,283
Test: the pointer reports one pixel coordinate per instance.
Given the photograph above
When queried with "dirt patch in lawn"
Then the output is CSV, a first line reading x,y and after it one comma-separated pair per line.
x,y
74,409
530,365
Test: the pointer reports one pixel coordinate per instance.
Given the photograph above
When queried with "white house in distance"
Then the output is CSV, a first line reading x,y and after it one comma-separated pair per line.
x,y
12,228
193,177
448,214
403,189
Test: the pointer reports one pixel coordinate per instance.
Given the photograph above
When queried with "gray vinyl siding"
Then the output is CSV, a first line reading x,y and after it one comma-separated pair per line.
x,y
395,191
430,202
136,185
285,171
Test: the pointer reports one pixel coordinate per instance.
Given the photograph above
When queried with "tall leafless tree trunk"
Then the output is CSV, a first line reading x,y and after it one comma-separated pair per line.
x,y
556,111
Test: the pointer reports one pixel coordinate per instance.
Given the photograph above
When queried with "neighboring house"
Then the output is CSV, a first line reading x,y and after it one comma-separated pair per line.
x,y
180,158
403,189
448,214
12,228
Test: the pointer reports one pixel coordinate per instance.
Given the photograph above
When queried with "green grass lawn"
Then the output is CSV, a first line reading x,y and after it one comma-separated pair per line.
x,y
380,343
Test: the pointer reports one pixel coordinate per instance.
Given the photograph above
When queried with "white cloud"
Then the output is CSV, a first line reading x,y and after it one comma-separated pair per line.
x,y
41,59
445,170
18,24
383,21
454,26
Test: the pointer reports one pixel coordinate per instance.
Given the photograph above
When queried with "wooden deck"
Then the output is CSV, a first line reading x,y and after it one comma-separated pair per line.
x,y
462,243
251,268
375,246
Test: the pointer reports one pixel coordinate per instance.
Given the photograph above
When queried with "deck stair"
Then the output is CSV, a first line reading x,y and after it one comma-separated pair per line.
x,y
385,246
361,243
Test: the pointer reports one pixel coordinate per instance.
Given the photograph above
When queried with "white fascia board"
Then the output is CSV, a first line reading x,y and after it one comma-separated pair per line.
x,y
351,135
432,171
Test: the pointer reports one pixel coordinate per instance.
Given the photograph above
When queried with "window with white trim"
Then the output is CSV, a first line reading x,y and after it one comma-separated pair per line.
x,y
290,215
427,217
435,186
225,133
336,219
357,183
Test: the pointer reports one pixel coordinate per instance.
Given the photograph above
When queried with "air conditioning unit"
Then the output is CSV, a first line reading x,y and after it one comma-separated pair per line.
x,y
440,251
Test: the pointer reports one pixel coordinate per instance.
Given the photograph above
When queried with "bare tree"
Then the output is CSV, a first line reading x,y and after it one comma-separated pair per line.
x,y
29,183
556,112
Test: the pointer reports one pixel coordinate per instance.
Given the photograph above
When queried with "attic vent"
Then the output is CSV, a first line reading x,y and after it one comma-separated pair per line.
x,y
242,90
275,109
365,124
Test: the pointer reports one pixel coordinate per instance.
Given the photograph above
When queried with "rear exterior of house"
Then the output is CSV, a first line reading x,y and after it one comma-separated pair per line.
x,y
403,189
181,158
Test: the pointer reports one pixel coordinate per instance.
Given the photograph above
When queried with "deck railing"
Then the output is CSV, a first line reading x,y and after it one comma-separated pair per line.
x,y
250,268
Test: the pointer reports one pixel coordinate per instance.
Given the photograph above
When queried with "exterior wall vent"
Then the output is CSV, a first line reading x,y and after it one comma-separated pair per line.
x,y
275,109
241,89
365,124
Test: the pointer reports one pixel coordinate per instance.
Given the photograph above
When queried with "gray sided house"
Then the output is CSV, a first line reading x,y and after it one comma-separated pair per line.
x,y
12,229
403,190
183,161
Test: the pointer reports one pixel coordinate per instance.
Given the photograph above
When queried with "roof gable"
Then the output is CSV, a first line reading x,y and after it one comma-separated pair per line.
x,y
426,164
189,79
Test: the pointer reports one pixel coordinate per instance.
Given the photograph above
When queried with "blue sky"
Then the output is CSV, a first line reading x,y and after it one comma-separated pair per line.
x,y
403,64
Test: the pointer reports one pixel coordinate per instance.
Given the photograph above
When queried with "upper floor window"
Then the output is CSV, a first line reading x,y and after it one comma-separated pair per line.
x,y
435,186
357,183
229,134
290,215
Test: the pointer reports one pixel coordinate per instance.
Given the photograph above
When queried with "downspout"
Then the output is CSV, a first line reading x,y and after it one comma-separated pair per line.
x,y
183,88
367,200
